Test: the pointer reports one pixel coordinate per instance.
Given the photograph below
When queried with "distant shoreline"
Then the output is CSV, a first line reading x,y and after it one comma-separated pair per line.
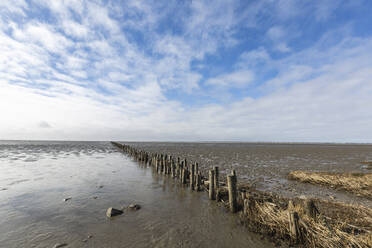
x,y
198,142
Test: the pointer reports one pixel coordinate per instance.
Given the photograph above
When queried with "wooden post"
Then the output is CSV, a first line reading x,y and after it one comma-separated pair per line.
x,y
216,180
293,226
196,187
198,181
157,165
192,177
178,167
231,185
212,193
310,208
184,172
165,165
173,166
181,172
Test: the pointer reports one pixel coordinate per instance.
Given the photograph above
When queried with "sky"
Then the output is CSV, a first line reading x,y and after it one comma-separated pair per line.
x,y
186,70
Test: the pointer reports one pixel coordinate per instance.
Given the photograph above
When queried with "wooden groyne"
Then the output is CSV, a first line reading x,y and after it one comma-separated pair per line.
x,y
300,222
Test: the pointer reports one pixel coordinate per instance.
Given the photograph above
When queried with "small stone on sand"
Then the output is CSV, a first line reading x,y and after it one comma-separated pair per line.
x,y
134,207
59,245
67,199
101,186
86,240
111,212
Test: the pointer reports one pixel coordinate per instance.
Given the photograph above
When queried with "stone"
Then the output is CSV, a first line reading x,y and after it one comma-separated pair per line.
x,y
67,199
59,245
111,212
134,207
86,240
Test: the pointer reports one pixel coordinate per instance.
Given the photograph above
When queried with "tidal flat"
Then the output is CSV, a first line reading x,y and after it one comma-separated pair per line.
x,y
266,166
57,193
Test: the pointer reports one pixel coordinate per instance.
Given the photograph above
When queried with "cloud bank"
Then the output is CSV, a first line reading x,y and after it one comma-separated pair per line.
x,y
186,70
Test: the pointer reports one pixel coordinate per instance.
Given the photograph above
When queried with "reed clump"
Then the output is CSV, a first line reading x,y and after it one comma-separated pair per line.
x,y
358,183
334,225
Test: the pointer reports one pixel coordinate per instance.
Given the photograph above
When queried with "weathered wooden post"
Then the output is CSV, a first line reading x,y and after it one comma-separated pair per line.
x,y
216,177
198,181
192,177
196,187
173,166
161,164
293,226
181,172
212,193
231,185
216,182
165,164
178,164
310,208
157,164
184,174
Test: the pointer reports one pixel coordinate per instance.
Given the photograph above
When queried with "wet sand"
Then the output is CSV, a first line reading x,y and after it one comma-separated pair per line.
x,y
266,165
37,176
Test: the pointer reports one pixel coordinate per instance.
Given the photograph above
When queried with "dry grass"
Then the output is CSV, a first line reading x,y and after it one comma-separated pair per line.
x,y
358,183
338,225
313,233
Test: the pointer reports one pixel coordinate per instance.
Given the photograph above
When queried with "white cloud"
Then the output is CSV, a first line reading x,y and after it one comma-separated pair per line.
x,y
254,57
44,35
13,6
85,76
236,79
276,33
75,29
278,36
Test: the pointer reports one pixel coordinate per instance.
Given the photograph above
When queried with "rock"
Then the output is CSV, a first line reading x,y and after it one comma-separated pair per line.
x,y
111,212
2,189
86,240
67,199
59,245
101,186
332,197
134,207
95,197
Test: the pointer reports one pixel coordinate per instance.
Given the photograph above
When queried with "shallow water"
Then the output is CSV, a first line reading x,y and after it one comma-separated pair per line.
x,y
35,177
267,165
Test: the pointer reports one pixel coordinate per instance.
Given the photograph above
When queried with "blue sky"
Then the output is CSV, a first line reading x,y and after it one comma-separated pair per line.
x,y
282,70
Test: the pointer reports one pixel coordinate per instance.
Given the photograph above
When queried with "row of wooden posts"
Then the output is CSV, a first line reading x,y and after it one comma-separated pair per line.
x,y
190,175
187,173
